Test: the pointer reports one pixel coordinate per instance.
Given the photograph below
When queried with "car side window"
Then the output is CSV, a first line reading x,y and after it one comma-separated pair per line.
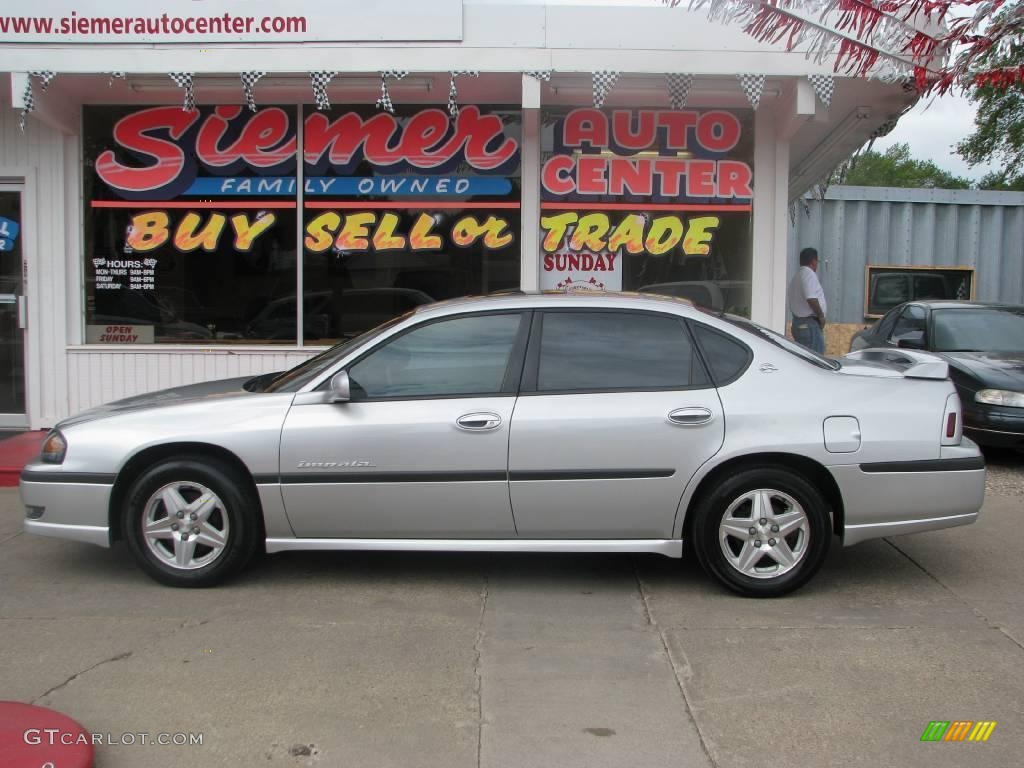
x,y
886,323
460,356
910,325
726,357
603,351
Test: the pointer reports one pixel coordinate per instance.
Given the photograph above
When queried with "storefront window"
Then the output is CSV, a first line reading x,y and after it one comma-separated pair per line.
x,y
191,231
406,209
651,201
190,224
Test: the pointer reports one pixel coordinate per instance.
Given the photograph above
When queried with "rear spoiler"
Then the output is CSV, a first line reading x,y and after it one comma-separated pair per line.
x,y
911,363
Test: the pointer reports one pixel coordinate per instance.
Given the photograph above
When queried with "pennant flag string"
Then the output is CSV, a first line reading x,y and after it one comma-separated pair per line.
x,y
320,81
29,97
384,102
184,80
864,40
824,86
249,80
678,89
604,80
753,86
453,95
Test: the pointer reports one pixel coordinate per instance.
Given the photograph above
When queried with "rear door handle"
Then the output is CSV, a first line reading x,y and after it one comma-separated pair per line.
x,y
690,417
478,422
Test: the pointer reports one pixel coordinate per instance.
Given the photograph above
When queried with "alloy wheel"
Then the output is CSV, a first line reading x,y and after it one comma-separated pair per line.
x,y
764,533
185,525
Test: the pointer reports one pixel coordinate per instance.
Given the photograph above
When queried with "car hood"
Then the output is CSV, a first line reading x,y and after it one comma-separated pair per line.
x,y
995,370
163,398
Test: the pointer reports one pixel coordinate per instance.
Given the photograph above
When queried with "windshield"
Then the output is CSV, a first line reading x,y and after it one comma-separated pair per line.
x,y
976,329
781,341
303,373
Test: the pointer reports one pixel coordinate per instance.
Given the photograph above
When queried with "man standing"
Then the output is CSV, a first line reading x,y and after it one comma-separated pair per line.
x,y
807,303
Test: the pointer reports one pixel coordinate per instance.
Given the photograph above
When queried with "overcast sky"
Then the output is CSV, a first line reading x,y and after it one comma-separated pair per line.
x,y
932,128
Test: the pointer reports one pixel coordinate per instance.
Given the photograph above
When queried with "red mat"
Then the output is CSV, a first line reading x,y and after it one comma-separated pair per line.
x,y
31,737
15,453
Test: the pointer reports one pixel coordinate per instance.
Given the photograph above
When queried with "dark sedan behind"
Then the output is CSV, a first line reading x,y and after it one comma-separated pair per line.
x,y
984,345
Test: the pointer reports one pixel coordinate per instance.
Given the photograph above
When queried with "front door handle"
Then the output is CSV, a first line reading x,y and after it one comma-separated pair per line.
x,y
690,417
478,422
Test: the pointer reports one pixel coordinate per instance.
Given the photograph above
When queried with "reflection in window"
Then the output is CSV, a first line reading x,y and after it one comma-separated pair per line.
x,y
979,330
615,350
465,356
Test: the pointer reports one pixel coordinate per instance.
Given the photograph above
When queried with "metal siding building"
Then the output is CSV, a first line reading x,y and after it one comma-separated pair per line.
x,y
857,226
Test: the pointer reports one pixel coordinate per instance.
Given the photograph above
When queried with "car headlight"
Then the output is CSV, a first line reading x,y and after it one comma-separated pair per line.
x,y
1000,397
54,448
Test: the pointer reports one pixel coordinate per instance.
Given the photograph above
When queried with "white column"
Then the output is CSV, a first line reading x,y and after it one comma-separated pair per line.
x,y
529,233
771,182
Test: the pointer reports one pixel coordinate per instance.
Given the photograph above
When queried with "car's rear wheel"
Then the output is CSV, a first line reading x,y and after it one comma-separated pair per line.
x,y
191,522
762,532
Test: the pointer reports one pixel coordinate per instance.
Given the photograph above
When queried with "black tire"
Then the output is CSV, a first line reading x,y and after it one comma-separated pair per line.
x,y
238,513
713,506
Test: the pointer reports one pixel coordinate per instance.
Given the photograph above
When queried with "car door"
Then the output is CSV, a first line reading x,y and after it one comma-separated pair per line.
x,y
615,415
421,449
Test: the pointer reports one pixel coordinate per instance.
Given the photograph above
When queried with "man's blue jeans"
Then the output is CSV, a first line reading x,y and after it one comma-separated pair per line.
x,y
807,332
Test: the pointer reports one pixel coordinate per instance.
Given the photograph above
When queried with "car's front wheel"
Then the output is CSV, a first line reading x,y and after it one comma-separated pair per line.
x,y
191,522
762,532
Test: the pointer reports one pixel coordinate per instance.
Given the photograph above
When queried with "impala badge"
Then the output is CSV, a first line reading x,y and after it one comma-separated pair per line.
x,y
334,464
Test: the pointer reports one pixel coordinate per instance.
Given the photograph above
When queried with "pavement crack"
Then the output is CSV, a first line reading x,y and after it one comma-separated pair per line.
x,y
678,673
77,675
991,624
478,647
12,536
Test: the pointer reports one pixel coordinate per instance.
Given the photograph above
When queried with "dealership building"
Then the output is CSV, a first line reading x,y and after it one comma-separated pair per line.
x,y
207,195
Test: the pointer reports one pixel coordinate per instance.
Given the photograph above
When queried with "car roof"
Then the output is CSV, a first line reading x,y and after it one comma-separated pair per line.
x,y
958,304
537,299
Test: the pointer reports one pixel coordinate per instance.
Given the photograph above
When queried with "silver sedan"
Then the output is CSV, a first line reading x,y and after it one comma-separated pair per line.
x,y
541,423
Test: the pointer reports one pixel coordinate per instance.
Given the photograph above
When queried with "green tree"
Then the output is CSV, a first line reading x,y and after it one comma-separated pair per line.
x,y
896,168
999,120
1000,180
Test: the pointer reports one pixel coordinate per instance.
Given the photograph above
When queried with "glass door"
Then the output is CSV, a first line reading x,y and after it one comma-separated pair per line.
x,y
12,311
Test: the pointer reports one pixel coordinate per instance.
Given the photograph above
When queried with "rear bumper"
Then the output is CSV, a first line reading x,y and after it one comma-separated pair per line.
x,y
909,497
65,506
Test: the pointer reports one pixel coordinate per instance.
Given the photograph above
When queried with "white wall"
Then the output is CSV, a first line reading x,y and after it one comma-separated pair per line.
x,y
37,157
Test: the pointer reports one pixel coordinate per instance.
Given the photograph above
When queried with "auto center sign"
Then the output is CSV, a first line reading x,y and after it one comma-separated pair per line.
x,y
212,21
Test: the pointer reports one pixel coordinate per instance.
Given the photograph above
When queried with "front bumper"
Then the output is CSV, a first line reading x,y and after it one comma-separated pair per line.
x,y
998,426
910,497
66,505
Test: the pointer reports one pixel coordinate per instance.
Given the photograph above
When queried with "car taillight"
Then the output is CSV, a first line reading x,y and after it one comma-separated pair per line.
x,y
952,422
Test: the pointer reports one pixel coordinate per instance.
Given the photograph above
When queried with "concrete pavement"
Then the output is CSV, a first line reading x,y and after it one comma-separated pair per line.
x,y
377,659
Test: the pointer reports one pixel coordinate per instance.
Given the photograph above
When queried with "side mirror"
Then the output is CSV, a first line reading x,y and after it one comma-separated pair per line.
x,y
913,342
341,389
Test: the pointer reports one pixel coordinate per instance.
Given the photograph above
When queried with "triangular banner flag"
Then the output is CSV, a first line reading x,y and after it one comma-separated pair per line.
x,y
823,85
604,80
249,80
453,95
184,80
384,102
29,97
541,74
320,81
678,89
753,86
